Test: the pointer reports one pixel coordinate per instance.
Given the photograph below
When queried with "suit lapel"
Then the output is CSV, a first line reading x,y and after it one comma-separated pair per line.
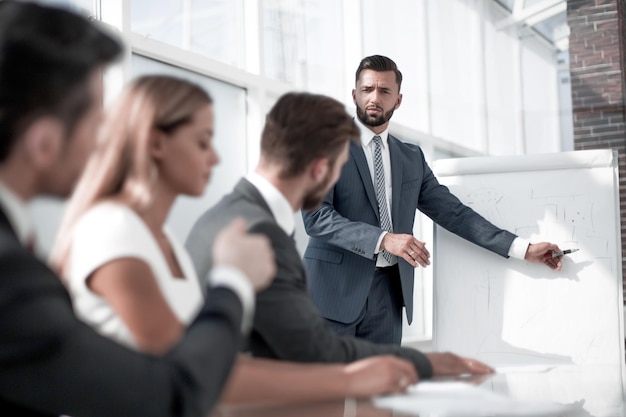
x,y
6,224
396,176
358,155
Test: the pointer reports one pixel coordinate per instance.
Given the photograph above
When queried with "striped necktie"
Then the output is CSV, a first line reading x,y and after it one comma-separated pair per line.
x,y
381,195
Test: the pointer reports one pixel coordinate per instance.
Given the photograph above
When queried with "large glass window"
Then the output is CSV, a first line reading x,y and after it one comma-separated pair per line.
x,y
303,44
212,28
457,81
507,3
399,32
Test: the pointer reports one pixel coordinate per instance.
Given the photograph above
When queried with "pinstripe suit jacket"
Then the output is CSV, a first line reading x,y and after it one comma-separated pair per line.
x,y
340,258
286,323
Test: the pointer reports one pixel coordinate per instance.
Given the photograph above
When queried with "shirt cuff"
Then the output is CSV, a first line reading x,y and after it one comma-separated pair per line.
x,y
518,248
380,241
233,279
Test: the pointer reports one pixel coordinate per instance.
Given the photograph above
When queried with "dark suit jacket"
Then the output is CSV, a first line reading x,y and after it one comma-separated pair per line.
x,y
286,323
51,363
343,232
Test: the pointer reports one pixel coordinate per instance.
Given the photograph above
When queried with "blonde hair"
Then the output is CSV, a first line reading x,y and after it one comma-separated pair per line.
x,y
121,166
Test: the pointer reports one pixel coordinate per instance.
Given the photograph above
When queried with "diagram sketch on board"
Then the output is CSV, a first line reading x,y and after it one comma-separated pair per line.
x,y
508,311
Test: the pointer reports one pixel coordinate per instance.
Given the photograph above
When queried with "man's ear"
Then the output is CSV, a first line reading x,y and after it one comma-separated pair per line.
x,y
157,144
354,95
44,142
398,102
319,169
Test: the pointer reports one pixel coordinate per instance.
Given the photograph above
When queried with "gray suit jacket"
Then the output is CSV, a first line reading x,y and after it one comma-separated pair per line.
x,y
286,323
340,257
51,363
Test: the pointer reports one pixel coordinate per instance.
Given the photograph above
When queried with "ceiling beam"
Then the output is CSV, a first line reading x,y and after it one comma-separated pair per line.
x,y
532,15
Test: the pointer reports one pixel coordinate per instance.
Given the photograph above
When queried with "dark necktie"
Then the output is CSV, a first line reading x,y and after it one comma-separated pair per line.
x,y
381,195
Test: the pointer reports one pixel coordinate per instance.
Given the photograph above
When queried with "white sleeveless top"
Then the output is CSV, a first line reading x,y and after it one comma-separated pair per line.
x,y
111,231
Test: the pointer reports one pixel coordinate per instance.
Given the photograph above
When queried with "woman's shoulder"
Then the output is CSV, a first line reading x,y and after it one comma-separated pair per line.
x,y
106,232
110,223
109,215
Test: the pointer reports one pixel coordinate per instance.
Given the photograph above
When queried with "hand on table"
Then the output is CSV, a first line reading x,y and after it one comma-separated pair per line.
x,y
379,375
449,364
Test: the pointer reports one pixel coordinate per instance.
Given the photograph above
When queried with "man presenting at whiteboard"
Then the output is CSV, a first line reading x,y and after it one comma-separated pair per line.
x,y
362,253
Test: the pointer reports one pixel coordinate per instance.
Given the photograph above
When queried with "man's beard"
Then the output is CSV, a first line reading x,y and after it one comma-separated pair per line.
x,y
314,198
373,121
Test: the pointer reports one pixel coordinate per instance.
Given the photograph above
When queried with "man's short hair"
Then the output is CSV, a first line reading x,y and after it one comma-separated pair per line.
x,y
46,56
379,63
302,127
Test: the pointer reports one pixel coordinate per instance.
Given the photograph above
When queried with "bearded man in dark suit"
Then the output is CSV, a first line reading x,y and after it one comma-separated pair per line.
x,y
362,253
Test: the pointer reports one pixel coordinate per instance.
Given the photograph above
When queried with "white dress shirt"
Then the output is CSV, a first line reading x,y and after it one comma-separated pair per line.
x,y
518,247
279,206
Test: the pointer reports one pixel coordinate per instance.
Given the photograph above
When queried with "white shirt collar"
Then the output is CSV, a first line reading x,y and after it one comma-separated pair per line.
x,y
367,134
280,207
17,212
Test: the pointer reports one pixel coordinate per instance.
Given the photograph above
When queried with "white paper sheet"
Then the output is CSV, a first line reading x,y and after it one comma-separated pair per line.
x,y
458,399
509,369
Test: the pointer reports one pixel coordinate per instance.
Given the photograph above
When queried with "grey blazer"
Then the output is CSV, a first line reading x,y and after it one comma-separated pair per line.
x,y
286,323
340,258
51,363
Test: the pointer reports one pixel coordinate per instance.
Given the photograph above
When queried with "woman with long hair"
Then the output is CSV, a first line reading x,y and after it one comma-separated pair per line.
x,y
132,280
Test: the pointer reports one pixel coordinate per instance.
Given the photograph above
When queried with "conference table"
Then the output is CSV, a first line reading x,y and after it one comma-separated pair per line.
x,y
546,391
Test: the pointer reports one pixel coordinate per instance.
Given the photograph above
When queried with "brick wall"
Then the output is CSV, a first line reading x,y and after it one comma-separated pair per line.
x,y
597,66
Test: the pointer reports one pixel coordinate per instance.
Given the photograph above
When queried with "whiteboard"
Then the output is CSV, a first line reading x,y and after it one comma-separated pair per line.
x,y
507,311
